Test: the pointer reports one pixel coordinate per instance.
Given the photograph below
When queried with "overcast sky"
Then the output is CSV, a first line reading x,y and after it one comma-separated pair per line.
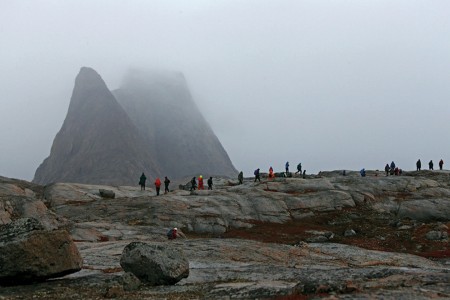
x,y
333,84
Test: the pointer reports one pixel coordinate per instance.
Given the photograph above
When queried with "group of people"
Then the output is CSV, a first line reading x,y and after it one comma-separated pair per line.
x,y
430,165
143,179
272,174
200,183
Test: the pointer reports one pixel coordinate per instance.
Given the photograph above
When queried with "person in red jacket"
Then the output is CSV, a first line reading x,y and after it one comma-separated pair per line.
x,y
157,185
271,175
200,183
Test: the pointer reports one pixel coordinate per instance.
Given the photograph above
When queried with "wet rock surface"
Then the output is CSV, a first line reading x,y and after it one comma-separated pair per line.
x,y
274,239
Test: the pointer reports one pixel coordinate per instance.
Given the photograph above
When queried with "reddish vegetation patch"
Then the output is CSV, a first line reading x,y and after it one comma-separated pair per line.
x,y
373,231
112,270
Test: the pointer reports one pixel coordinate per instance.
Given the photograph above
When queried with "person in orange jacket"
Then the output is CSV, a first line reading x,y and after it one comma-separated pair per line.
x,y
157,185
200,183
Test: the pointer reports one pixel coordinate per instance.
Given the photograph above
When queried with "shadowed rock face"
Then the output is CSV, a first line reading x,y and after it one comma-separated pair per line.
x,y
161,107
159,131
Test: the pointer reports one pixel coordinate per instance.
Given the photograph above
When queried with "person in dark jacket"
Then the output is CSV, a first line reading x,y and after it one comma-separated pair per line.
x,y
193,184
386,169
142,180
287,167
418,165
166,185
430,165
241,177
441,163
257,175
363,172
299,169
210,183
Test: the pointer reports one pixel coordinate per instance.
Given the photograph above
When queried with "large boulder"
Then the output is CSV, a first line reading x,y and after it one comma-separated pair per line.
x,y
30,253
160,264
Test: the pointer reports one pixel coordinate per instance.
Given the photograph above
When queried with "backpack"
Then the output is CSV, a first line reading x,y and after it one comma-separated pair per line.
x,y
256,172
170,233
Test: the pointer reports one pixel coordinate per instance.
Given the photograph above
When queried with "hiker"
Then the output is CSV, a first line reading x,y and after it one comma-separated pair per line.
x,y
418,165
299,169
193,184
200,183
210,183
166,185
386,169
441,163
241,177
157,185
344,173
304,174
363,172
430,165
396,171
142,180
287,167
256,173
174,233
392,167
271,175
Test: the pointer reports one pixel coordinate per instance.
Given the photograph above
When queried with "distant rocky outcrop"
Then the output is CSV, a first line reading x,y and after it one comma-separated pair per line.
x,y
156,129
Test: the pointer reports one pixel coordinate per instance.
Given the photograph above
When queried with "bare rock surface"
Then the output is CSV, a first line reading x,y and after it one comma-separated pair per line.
x,y
249,241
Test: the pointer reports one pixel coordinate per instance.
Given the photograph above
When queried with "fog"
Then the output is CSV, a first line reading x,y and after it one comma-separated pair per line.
x,y
332,84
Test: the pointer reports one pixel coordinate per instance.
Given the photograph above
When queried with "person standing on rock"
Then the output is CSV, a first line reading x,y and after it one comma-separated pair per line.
x,y
157,185
299,169
166,185
287,167
392,168
271,175
363,172
418,165
193,184
441,163
257,175
386,169
210,183
241,177
430,165
200,183
142,180
174,233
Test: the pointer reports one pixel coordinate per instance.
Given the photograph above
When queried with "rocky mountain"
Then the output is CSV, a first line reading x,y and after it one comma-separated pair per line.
x,y
162,108
157,130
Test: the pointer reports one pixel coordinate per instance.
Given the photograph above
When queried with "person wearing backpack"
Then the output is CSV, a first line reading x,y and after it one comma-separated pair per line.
x,y
299,169
166,185
256,173
430,165
157,185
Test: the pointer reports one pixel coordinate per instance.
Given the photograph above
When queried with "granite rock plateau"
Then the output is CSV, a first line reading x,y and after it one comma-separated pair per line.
x,y
323,236
155,128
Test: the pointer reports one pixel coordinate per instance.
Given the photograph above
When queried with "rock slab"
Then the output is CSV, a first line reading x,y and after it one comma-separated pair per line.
x,y
29,253
158,264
